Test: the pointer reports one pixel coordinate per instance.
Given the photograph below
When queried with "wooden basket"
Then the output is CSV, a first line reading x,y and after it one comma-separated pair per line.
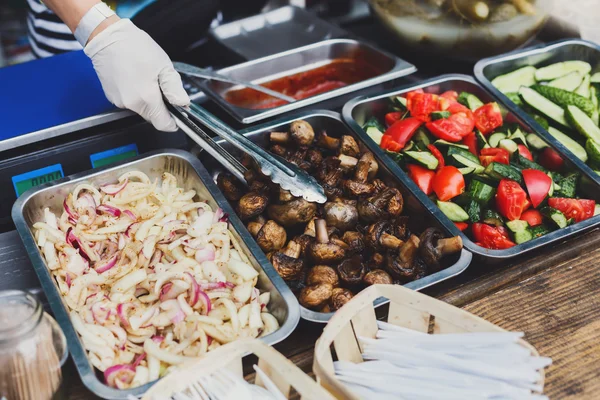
x,y
407,308
282,371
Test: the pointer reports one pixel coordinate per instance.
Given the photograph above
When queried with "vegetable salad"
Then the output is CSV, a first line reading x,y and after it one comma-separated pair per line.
x,y
151,276
498,184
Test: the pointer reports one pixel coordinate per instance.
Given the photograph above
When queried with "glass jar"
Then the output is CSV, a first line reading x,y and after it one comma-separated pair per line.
x,y
32,348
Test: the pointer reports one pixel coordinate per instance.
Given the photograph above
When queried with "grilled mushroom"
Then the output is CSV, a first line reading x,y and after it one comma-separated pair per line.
x,y
351,271
255,226
377,276
355,241
314,157
367,168
403,266
322,251
356,188
340,215
327,142
252,204
349,147
315,295
347,162
434,247
322,274
379,236
388,203
302,133
271,236
285,196
304,241
287,264
279,150
339,297
376,261
232,188
295,212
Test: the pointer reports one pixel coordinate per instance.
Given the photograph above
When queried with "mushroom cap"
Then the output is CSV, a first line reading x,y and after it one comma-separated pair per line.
x,y
349,146
378,276
325,253
303,241
376,261
302,133
314,157
374,232
322,274
340,215
288,268
339,297
428,249
355,241
351,271
298,211
315,295
404,272
356,188
252,204
271,236
230,186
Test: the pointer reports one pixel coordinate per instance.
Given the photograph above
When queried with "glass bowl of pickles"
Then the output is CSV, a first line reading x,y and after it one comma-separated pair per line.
x,y
464,29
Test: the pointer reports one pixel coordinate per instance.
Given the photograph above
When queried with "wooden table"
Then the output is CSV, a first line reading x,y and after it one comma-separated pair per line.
x,y
552,295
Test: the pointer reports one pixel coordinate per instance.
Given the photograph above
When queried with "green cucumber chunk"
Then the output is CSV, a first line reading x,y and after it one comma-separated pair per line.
x,y
509,145
512,81
400,102
482,142
469,100
569,143
593,150
424,158
557,70
499,171
541,120
374,134
555,216
492,217
518,136
543,105
583,123
584,88
568,186
570,81
375,123
539,230
444,143
536,142
520,230
495,138
481,192
473,209
453,211
439,115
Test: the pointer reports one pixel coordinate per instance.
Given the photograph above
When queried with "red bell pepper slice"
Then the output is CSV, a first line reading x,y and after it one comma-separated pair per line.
x,y
488,117
392,117
402,131
538,185
511,199
422,177
550,159
437,154
448,183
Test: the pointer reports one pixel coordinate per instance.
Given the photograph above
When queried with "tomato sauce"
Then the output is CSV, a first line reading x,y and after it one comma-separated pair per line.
x,y
334,75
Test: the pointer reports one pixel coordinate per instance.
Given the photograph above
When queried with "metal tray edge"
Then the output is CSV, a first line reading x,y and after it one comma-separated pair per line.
x,y
560,234
77,351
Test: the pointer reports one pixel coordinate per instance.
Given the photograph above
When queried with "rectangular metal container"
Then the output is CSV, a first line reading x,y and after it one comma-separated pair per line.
x,y
283,29
190,175
332,123
358,110
571,49
302,59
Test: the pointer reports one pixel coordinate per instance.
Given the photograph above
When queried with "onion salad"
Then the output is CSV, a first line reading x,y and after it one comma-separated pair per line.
x,y
151,276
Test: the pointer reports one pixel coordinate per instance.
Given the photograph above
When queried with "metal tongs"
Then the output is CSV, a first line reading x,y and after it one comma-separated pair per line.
x,y
287,175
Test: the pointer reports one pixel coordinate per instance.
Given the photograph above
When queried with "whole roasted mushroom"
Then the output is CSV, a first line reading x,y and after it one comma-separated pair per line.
x,y
339,297
400,227
285,196
354,188
378,277
255,226
403,266
295,212
322,274
304,241
322,251
271,236
377,260
340,215
355,241
379,236
386,204
349,147
347,162
315,295
351,271
434,247
230,186
252,204
327,142
302,133
287,264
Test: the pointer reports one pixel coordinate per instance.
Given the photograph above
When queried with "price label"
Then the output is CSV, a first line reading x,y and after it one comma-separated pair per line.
x,y
30,179
113,155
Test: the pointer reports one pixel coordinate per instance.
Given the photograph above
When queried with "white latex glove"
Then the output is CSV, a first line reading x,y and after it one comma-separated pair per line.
x,y
134,70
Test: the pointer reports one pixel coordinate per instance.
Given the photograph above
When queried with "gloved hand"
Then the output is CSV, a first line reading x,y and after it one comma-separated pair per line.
x,y
134,70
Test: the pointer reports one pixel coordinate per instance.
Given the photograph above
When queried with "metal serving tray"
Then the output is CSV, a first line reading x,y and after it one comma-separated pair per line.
x,y
302,59
571,49
332,123
283,29
358,110
191,175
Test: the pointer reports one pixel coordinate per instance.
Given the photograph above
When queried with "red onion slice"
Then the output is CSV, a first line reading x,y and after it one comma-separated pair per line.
x,y
195,290
100,313
157,338
68,279
74,241
203,297
108,265
122,309
114,211
178,317
130,214
212,285
120,372
138,360
70,213
220,216
205,254
114,189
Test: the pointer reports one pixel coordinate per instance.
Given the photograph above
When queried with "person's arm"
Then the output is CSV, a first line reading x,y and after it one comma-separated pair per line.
x,y
134,71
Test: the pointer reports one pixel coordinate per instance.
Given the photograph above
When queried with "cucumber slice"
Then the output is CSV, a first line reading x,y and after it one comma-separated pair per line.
x,y
520,230
499,171
423,158
568,186
492,217
508,145
519,136
569,143
536,142
543,105
464,162
374,134
467,170
444,143
565,98
453,211
538,231
422,137
557,70
400,102
481,192
512,81
495,139
595,78
569,82
514,97
594,98
482,142
593,150
374,122
469,100
584,88
439,115
554,215
583,123
473,209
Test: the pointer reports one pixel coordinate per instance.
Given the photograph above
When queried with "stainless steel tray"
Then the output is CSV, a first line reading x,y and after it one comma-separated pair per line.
x,y
332,123
301,59
283,29
570,49
28,209
358,110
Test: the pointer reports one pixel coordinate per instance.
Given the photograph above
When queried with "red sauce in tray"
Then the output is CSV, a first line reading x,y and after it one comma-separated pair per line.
x,y
334,75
